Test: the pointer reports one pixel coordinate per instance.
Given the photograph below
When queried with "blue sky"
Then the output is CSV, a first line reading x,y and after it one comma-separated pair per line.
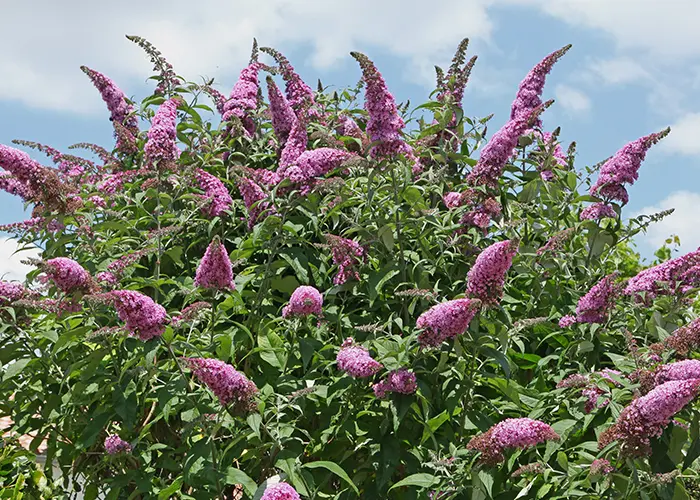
x,y
634,69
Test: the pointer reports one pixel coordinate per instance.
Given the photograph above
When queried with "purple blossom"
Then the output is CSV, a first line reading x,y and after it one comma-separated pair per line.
x,y
498,151
487,276
190,313
385,124
305,300
67,274
511,433
253,197
106,278
299,94
215,269
446,320
294,146
664,278
347,127
115,445
244,98
13,186
9,292
452,199
647,417
98,201
401,381
598,211
215,191
280,491
681,370
346,254
356,361
317,163
34,177
623,168
576,380
121,111
567,321
595,306
685,338
283,116
528,97
140,313
601,467
556,241
229,385
161,147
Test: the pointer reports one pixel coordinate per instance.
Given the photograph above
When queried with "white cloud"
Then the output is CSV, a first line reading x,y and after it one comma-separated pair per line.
x,y
571,99
684,221
10,266
212,39
684,137
619,71
663,29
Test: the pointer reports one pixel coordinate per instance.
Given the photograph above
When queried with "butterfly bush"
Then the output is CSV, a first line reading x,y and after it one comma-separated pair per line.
x,y
487,276
215,270
595,306
230,386
401,381
511,433
453,260
282,114
143,317
647,416
161,147
304,301
115,445
356,361
529,93
446,320
623,168
244,98
280,491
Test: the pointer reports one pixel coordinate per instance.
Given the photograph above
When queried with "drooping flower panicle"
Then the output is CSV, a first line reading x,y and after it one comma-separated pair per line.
x,y
305,300
623,168
356,361
647,417
280,491
281,112
141,314
529,93
255,200
595,306
511,433
161,147
346,255
665,278
401,381
446,320
115,445
215,191
67,274
385,124
244,98
487,276
215,270
121,111
230,386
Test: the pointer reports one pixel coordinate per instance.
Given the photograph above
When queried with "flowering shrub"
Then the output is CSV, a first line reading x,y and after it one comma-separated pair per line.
x,y
298,298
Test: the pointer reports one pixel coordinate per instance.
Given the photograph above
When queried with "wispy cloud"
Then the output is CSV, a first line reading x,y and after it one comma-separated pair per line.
x,y
10,266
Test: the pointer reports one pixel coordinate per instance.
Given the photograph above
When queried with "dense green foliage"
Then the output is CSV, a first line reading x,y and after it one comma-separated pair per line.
x,y
322,431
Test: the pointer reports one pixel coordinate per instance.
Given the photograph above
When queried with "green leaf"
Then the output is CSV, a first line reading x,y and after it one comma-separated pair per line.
x,y
296,258
236,476
693,453
421,480
170,490
433,425
335,469
386,234
501,358
15,369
